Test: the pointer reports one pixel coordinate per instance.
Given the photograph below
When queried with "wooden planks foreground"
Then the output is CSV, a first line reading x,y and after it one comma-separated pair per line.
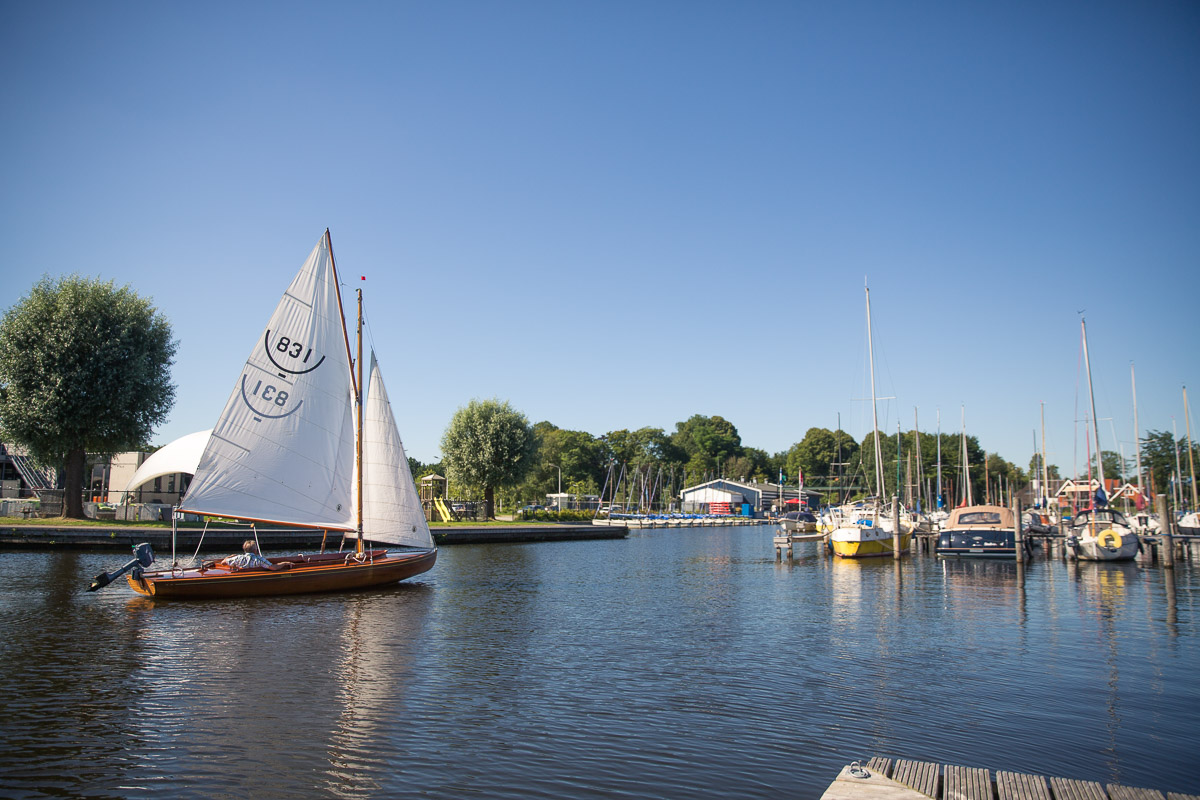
x,y
915,780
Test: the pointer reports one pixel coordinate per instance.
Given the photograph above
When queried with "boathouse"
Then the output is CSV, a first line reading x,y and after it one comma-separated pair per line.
x,y
724,496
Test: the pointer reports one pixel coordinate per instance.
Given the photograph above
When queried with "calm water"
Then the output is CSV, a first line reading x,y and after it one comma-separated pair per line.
x,y
672,664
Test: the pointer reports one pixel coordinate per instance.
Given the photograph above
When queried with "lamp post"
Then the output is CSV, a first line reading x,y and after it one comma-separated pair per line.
x,y
559,498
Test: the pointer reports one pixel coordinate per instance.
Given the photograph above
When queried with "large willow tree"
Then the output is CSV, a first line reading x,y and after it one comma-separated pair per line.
x,y
84,367
488,445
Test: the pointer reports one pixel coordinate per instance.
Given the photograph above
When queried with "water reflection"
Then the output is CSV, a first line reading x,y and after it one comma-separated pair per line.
x,y
670,663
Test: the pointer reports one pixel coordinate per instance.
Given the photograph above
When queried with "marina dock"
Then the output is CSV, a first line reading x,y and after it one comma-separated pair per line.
x,y
883,779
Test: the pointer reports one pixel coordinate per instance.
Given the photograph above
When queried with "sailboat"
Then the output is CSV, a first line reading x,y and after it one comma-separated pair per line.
x,y
1100,533
301,442
869,533
1189,523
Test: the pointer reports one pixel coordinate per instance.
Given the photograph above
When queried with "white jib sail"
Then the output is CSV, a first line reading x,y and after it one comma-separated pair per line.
x,y
391,508
283,448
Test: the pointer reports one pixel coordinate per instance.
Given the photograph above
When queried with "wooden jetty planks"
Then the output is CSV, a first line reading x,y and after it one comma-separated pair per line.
x,y
883,766
1067,789
1019,786
1118,792
919,775
1181,796
967,783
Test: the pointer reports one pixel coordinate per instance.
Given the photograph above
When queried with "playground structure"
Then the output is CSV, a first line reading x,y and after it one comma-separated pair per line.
x,y
437,508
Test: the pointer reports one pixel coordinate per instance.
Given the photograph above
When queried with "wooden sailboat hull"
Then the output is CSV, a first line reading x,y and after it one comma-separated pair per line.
x,y
329,572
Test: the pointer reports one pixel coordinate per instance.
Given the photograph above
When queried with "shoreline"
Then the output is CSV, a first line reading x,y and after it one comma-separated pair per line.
x,y
120,537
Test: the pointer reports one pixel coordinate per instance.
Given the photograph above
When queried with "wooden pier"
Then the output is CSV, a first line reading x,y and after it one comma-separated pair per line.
x,y
883,779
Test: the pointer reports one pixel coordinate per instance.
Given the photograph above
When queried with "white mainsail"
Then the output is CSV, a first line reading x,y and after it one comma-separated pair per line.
x,y
283,448
391,509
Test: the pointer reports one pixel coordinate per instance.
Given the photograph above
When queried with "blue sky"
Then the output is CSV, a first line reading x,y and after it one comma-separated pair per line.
x,y
620,214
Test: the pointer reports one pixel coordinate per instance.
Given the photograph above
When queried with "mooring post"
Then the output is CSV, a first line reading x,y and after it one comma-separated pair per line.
x,y
1164,525
895,526
1018,535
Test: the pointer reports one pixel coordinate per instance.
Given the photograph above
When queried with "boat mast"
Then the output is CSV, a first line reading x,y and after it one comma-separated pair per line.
x,y
1045,469
1187,420
358,438
922,487
1092,399
1137,441
938,502
874,411
1177,491
965,460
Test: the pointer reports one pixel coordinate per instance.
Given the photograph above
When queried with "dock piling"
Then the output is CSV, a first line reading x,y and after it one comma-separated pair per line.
x,y
1168,541
1018,534
896,526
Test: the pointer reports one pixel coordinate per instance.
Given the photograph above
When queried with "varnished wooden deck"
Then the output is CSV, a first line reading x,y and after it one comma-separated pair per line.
x,y
885,779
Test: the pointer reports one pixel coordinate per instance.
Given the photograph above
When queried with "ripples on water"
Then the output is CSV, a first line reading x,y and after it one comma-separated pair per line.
x,y
672,664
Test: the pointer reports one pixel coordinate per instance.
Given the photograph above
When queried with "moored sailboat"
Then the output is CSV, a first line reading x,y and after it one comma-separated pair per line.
x,y
870,533
302,442
1100,533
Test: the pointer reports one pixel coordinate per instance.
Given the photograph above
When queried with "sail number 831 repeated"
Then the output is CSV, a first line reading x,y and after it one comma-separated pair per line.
x,y
290,357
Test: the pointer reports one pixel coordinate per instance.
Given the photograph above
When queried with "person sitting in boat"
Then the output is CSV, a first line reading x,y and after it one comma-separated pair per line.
x,y
250,558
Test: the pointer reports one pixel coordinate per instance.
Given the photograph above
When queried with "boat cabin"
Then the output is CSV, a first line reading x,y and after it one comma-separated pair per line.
x,y
980,517
979,532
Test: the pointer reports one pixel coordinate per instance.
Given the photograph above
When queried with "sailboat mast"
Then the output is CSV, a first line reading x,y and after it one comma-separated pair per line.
x,y
965,460
921,485
1177,493
938,502
1137,431
1092,399
1187,420
1045,469
358,434
874,411
897,456
337,286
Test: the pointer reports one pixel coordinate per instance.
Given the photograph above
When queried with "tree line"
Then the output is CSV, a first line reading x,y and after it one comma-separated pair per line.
x,y
85,368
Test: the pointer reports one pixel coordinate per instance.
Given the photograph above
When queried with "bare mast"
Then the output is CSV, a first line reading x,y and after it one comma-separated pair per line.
x,y
1092,399
358,438
1187,420
874,411
1137,431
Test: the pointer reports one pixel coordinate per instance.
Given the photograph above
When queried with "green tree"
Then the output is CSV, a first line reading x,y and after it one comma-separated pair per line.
x,y
487,445
84,366
706,442
1114,468
817,455
576,453
1158,461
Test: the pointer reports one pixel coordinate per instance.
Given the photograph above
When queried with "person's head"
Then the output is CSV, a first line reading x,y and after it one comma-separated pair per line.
x,y
249,546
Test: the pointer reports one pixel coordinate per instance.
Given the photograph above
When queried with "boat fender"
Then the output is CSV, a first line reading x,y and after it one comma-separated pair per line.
x,y
1109,538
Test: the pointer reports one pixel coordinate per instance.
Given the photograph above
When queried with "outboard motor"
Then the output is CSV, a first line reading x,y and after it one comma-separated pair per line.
x,y
143,556
1073,543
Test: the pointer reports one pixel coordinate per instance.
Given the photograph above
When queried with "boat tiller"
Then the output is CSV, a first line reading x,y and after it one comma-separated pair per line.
x,y
143,556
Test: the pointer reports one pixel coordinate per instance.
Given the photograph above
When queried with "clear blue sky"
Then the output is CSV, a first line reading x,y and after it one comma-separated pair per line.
x,y
620,214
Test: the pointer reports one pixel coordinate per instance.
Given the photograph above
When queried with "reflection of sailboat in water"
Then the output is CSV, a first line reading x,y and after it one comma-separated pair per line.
x,y
376,653
299,444
1110,583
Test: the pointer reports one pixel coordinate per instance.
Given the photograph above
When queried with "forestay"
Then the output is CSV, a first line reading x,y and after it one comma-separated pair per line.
x,y
283,448
391,509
